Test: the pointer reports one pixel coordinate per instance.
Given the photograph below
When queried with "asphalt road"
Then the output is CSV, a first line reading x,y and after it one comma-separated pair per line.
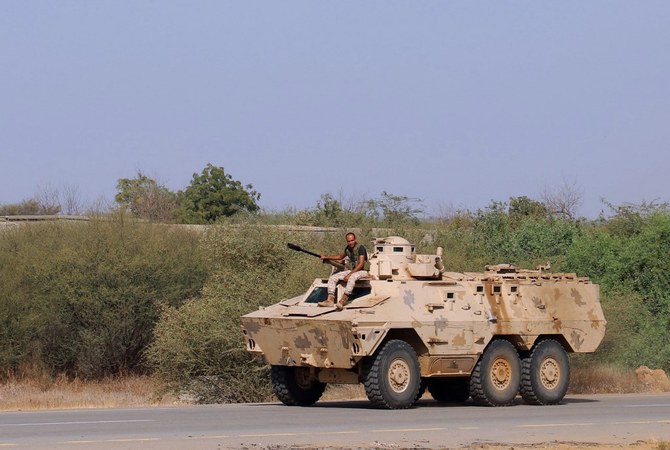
x,y
604,419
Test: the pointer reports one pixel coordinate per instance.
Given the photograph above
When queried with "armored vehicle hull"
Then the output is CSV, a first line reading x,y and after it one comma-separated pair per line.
x,y
413,326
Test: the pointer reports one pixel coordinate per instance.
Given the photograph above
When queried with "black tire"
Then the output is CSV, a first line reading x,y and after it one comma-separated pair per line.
x,y
391,377
294,386
496,378
449,390
545,374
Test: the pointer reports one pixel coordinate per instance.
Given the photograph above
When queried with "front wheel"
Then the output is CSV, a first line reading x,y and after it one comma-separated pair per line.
x,y
295,386
545,374
391,377
496,377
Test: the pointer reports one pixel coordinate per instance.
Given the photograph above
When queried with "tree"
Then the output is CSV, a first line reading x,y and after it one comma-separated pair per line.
x,y
521,208
145,198
214,194
328,212
564,201
60,201
72,204
395,209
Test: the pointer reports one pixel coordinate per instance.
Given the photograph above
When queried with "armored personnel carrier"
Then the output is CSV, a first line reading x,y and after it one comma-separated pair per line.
x,y
413,326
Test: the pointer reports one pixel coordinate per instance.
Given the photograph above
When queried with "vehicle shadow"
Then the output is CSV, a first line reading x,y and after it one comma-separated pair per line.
x,y
430,403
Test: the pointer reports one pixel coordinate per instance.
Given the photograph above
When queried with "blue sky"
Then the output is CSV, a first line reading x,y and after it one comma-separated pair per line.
x,y
454,103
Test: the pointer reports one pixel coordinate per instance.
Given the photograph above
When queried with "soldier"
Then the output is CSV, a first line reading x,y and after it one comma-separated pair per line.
x,y
358,256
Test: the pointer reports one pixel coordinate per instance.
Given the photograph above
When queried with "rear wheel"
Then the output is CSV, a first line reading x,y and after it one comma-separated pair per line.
x,y
392,377
449,390
496,377
295,386
545,374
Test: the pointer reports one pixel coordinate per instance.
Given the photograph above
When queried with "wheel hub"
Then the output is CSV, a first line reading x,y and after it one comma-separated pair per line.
x,y
501,373
550,373
398,375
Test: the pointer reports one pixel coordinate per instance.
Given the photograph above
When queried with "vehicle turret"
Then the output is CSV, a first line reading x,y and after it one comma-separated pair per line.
x,y
394,257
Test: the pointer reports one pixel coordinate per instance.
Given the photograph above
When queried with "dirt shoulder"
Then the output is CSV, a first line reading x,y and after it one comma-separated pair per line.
x,y
642,445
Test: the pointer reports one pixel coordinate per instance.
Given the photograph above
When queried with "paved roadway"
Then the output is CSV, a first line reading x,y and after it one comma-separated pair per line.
x,y
605,419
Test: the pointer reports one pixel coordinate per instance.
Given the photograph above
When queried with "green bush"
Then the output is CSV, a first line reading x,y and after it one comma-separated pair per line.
x,y
525,240
83,298
198,348
198,351
630,260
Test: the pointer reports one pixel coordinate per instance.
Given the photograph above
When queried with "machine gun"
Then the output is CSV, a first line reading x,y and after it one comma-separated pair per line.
x,y
297,248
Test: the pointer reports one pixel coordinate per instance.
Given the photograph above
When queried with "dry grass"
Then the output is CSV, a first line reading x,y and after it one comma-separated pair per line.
x,y
601,379
344,392
135,391
42,393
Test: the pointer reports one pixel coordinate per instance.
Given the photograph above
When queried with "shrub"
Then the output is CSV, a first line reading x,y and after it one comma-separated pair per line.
x,y
198,350
631,268
198,347
83,298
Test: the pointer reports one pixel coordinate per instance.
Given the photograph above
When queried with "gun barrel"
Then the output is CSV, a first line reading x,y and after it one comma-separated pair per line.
x,y
298,248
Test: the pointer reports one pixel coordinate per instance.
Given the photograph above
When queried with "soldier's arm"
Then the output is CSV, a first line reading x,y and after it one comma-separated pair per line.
x,y
360,264
339,257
